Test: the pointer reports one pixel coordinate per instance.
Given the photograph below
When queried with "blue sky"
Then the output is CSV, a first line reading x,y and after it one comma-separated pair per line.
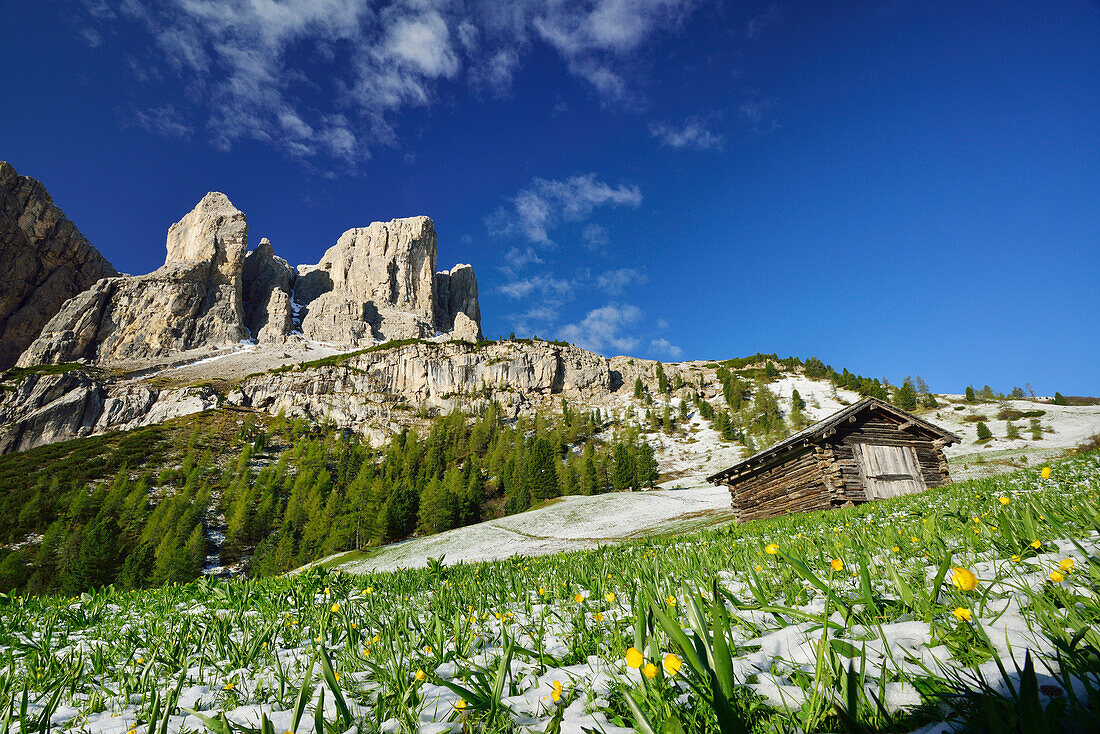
x,y
896,187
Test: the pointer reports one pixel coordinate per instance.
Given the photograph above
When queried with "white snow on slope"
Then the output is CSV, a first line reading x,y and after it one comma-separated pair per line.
x,y
573,523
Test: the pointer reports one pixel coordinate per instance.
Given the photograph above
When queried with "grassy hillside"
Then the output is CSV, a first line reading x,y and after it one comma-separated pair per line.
x,y
875,618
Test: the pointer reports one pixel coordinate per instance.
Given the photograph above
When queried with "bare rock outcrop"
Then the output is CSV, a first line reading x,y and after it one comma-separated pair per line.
x,y
380,390
375,284
268,287
193,301
46,408
456,295
44,258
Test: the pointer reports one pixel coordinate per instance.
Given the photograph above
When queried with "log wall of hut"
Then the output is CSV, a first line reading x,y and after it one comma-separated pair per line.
x,y
882,431
796,484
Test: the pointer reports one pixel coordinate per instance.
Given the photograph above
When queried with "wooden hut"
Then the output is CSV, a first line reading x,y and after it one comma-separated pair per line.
x,y
864,452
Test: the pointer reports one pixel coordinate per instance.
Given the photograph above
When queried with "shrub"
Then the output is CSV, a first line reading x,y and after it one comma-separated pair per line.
x,y
984,434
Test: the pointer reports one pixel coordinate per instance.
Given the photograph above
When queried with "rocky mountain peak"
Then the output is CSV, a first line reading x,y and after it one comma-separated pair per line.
x,y
214,234
45,260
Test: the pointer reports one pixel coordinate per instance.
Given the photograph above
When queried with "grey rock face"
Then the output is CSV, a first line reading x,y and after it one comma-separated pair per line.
x,y
456,293
194,300
268,285
45,409
44,258
375,283
377,392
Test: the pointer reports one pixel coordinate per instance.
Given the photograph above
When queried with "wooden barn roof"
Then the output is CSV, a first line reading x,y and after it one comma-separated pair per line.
x,y
824,428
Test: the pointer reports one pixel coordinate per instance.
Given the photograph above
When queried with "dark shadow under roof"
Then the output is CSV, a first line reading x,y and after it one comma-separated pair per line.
x,y
818,431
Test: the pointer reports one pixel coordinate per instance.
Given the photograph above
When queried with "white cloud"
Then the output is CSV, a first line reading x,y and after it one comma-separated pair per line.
x,y
545,204
330,76
543,285
595,237
756,112
163,121
614,282
91,37
538,317
694,134
604,329
516,260
665,348
769,17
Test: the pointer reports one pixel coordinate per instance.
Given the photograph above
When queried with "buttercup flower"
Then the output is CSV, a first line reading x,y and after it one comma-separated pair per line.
x,y
420,675
672,664
1045,473
555,691
771,549
1066,564
963,579
1005,500
1057,577
962,614
634,658
836,564
650,670
1035,544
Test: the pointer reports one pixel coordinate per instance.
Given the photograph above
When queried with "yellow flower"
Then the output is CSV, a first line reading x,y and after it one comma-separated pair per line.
x,y
598,616
376,638
555,691
914,539
428,649
1057,577
771,549
336,675
366,652
461,704
670,600
578,598
836,564
420,675
1015,558
962,614
1035,544
369,590
336,607
228,687
634,658
895,549
1045,473
672,664
963,579
1005,500
1066,564
542,591
759,568
609,597
650,670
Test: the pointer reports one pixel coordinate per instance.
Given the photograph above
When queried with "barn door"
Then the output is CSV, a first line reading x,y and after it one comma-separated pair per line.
x,y
889,471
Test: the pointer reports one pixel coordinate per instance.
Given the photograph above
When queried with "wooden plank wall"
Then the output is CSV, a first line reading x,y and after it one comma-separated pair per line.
x,y
796,485
884,432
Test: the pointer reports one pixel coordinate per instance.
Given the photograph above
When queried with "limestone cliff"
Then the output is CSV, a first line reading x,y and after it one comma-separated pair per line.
x,y
456,296
378,391
193,301
44,258
42,409
268,287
